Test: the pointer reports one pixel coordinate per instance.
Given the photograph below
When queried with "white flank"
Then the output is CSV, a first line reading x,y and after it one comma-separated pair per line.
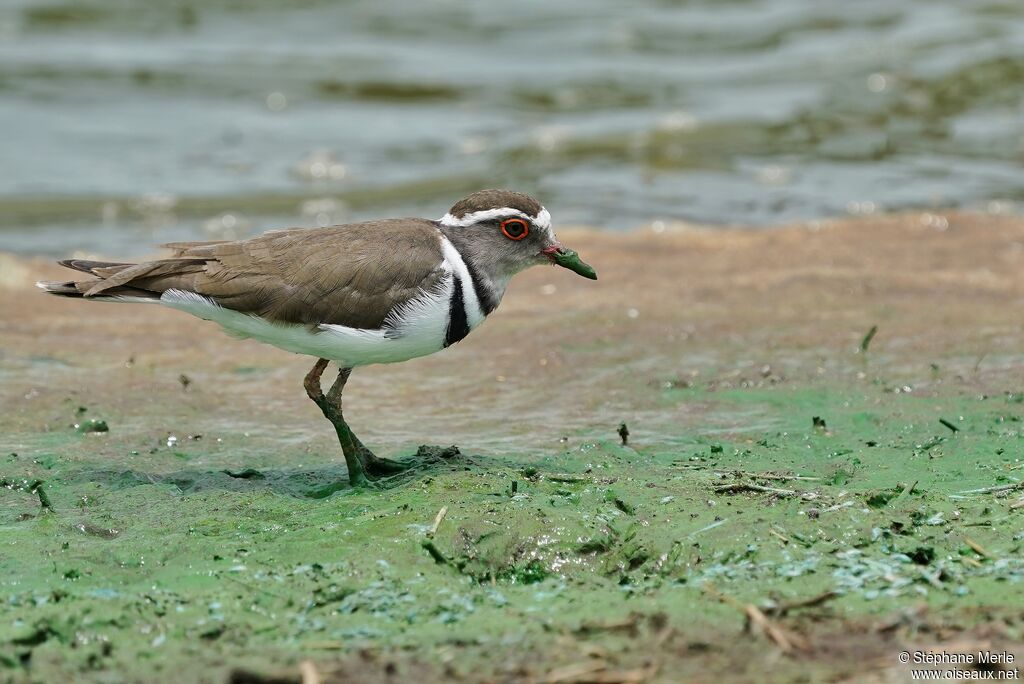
x,y
416,328
541,221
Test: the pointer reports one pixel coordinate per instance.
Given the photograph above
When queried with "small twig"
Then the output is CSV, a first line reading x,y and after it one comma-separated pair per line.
x,y
717,523
1019,503
628,624
434,552
252,588
866,342
907,491
784,608
795,538
785,641
948,424
308,671
977,364
993,490
709,589
971,561
749,487
34,487
438,519
597,672
567,479
976,547
325,645
573,673
44,499
772,476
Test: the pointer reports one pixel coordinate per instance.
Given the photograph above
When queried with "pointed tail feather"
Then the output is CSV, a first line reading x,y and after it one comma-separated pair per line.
x,y
92,267
102,270
63,288
70,288
122,282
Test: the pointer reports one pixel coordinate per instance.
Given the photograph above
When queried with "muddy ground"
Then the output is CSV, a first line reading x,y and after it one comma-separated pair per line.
x,y
798,500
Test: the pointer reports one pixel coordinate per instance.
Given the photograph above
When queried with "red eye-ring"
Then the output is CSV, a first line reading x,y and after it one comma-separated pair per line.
x,y
515,229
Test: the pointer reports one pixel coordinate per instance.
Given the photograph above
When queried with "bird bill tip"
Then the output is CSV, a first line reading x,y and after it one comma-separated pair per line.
x,y
568,258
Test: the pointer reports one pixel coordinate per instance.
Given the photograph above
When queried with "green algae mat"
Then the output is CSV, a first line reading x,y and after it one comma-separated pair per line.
x,y
868,506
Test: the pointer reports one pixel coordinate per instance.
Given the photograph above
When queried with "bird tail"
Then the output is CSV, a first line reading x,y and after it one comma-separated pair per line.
x,y
101,270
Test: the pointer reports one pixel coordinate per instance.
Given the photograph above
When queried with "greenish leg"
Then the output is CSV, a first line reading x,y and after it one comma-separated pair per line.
x,y
330,406
363,465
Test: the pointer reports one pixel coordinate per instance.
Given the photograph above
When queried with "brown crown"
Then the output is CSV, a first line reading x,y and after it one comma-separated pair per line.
x,y
495,199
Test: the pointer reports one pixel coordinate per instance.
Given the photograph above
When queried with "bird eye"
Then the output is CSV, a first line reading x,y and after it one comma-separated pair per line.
x,y
515,229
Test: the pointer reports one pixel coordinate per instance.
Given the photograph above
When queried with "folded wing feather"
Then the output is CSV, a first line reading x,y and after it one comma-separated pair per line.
x,y
345,275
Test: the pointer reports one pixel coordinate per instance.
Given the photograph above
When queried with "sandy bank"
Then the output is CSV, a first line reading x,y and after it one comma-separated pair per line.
x,y
562,353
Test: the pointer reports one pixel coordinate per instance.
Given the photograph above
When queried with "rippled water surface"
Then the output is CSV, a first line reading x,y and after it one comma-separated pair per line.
x,y
126,123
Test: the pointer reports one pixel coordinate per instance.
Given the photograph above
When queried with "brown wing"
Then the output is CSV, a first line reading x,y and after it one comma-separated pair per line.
x,y
347,275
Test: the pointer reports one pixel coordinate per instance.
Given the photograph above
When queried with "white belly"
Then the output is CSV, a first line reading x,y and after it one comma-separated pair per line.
x,y
416,329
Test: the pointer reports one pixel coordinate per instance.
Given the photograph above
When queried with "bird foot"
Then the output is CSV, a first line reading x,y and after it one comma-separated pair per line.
x,y
362,482
385,467
373,475
364,468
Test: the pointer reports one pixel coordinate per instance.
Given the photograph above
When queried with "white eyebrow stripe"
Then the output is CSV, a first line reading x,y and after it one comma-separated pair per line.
x,y
542,220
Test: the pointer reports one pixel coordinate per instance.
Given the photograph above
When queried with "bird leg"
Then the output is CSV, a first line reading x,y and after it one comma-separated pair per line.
x,y
362,464
330,406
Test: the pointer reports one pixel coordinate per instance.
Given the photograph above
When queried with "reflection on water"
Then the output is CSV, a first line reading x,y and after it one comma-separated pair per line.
x,y
125,123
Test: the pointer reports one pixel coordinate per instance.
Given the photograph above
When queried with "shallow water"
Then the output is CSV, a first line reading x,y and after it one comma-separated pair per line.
x,y
125,125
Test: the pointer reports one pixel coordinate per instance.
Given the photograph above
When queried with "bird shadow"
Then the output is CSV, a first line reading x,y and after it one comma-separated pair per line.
x,y
317,482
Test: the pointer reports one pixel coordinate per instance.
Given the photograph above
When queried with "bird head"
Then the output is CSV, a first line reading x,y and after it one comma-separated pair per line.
x,y
508,232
